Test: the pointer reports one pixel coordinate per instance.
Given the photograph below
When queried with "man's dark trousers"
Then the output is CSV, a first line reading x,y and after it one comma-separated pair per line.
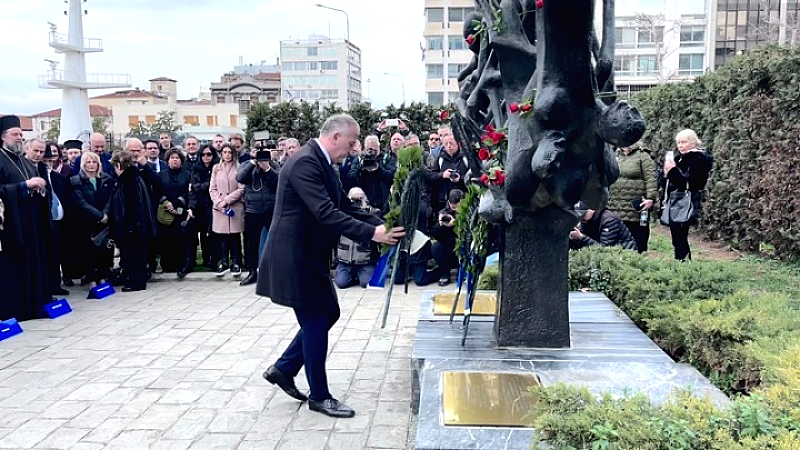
x,y
310,347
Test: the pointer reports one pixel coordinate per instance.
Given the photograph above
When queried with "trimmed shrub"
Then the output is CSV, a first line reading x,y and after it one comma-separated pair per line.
x,y
748,116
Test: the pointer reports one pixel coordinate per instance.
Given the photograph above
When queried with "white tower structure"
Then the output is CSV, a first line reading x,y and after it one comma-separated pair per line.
x,y
73,80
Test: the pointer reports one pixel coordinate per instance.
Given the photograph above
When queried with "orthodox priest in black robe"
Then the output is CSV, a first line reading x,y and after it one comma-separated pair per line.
x,y
25,233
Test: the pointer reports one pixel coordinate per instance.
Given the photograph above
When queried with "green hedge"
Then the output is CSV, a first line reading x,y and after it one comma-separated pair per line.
x,y
748,116
737,321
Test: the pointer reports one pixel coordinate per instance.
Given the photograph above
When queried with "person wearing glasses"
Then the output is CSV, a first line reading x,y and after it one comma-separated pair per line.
x,y
200,204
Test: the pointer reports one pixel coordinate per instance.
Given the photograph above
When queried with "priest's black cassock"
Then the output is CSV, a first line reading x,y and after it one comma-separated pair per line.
x,y
24,281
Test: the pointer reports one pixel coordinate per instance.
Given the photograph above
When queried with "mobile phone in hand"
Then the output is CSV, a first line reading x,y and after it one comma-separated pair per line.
x,y
670,156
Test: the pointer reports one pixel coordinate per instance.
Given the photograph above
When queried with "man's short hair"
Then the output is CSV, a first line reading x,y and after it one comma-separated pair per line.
x,y
130,141
37,140
191,136
338,122
371,138
150,141
294,141
455,196
237,136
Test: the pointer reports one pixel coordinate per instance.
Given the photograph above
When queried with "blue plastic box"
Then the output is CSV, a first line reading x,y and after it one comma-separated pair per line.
x,y
101,291
9,328
57,308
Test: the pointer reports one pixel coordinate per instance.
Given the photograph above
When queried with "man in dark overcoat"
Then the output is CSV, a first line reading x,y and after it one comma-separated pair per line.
x,y
311,211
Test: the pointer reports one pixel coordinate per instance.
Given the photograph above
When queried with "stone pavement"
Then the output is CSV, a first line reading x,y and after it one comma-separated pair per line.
x,y
179,366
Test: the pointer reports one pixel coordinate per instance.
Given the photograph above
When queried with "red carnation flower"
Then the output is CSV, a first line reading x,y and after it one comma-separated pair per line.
x,y
484,154
513,107
489,128
485,179
500,178
496,137
539,4
526,107
444,115
470,39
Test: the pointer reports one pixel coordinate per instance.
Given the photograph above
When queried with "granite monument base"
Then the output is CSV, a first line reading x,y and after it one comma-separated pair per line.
x,y
608,354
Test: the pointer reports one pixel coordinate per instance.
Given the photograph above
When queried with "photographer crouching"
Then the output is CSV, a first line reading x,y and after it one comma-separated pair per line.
x,y
356,260
444,232
260,179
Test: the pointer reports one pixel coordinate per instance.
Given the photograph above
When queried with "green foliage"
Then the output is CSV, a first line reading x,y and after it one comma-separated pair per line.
x,y
165,123
738,322
746,113
409,161
302,120
53,132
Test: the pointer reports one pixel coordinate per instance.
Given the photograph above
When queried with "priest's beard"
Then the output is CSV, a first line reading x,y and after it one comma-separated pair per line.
x,y
15,147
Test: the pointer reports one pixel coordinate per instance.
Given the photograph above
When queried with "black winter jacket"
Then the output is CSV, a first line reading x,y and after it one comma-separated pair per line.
x,y
259,187
175,187
199,197
132,215
443,186
606,228
91,203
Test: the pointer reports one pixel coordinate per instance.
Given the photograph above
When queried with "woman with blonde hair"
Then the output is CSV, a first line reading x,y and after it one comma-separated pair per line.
x,y
227,216
686,172
91,191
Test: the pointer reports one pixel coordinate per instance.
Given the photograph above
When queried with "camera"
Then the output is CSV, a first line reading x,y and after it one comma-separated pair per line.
x,y
446,219
454,176
369,159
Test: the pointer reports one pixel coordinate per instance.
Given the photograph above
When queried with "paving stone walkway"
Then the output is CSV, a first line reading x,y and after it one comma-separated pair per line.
x,y
179,366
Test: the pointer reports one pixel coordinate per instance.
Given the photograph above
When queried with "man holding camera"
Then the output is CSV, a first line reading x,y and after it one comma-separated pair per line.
x,y
373,173
444,232
450,171
260,179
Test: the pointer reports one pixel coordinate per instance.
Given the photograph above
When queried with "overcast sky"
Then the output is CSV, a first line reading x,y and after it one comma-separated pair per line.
x,y
196,41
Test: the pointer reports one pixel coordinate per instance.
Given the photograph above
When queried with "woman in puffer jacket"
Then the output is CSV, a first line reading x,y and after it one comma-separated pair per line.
x,y
633,195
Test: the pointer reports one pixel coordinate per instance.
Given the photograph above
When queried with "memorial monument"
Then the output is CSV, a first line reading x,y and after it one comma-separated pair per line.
x,y
541,74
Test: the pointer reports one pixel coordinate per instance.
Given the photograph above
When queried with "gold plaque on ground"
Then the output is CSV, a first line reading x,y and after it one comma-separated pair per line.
x,y
485,303
487,399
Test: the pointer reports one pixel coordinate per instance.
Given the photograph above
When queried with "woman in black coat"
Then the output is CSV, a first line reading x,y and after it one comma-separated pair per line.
x,y
200,204
91,191
173,238
687,171
133,225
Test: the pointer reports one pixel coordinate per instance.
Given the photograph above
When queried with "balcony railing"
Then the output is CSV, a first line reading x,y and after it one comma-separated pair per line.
x,y
61,40
61,78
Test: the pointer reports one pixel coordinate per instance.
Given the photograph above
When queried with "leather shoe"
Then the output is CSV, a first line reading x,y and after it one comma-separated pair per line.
x,y
251,279
68,282
60,291
276,377
331,407
130,289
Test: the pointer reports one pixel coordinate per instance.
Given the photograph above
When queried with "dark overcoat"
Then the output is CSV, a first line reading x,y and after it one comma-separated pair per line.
x,y
311,211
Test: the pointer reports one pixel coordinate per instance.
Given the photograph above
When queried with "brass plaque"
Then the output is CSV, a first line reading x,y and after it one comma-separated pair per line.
x,y
485,303
488,399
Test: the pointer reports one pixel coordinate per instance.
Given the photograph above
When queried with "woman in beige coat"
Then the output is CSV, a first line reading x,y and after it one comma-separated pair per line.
x,y
227,217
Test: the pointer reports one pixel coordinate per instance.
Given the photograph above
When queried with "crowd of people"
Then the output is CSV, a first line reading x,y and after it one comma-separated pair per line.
x,y
67,207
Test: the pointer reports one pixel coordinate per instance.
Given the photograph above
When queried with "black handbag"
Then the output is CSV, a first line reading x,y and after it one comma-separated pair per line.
x,y
102,237
679,208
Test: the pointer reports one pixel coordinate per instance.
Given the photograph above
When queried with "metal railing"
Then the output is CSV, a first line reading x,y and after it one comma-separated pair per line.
x,y
63,39
91,78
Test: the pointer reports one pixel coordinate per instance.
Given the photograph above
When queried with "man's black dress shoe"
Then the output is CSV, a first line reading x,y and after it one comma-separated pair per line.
x,y
130,289
68,282
60,291
331,407
274,376
251,279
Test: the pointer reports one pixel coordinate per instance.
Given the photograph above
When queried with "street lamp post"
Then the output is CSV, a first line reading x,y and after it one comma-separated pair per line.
x,y
347,45
402,83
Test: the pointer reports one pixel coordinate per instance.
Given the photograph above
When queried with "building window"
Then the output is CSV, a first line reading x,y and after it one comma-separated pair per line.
x,y
133,121
234,120
191,120
221,98
456,42
435,98
253,98
452,96
312,51
458,14
160,88
42,125
435,71
693,35
329,65
636,65
329,94
454,69
648,38
434,14
149,120
435,42
625,37
691,64
211,121
244,106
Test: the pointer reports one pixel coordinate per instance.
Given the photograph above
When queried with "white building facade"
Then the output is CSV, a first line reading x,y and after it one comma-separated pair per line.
x,y
320,69
445,53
